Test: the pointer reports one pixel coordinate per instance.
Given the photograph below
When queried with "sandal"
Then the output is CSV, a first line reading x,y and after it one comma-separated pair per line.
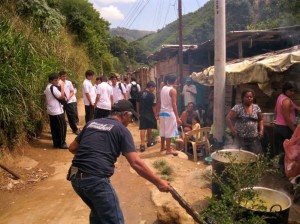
x,y
142,148
161,151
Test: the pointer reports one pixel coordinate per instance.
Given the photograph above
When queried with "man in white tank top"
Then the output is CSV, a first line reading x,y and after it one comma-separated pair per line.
x,y
168,115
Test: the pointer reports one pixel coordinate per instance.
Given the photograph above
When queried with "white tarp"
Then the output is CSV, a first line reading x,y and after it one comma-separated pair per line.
x,y
253,70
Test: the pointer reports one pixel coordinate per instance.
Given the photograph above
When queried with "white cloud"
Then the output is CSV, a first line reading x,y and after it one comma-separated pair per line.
x,y
111,13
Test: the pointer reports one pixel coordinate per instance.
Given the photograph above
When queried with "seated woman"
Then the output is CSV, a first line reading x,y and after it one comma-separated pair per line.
x,y
186,117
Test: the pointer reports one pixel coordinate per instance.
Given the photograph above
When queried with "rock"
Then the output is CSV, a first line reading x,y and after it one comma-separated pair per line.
x,y
9,186
170,213
182,155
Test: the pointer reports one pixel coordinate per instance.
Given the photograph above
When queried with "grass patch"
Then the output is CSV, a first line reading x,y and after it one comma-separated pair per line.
x,y
163,169
159,164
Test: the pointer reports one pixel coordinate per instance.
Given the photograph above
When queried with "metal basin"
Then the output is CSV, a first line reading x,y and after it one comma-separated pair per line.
x,y
221,159
268,117
272,204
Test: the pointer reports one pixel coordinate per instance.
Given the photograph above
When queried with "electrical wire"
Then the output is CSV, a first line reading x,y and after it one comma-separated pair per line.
x,y
130,15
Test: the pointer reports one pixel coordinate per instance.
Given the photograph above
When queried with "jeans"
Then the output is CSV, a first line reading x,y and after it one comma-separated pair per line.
x,y
100,196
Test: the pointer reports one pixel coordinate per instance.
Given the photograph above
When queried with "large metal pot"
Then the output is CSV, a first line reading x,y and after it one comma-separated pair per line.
x,y
276,205
221,159
268,117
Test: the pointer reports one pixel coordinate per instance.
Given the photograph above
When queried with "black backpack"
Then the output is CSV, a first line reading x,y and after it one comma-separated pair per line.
x,y
134,91
63,101
120,87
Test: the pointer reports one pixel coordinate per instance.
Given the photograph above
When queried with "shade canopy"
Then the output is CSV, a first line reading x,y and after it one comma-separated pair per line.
x,y
256,69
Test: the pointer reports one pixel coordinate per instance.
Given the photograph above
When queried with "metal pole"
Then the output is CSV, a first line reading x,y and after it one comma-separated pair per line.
x,y
180,57
180,54
220,63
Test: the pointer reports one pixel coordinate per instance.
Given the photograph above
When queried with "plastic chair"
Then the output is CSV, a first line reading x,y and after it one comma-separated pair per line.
x,y
196,138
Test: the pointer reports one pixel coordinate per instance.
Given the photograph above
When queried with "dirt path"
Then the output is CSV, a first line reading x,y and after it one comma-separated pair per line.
x,y
45,196
52,200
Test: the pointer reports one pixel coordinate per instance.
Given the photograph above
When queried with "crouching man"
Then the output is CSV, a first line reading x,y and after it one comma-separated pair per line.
x,y
96,150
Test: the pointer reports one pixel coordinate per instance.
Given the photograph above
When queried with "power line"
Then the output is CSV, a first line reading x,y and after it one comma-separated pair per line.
x,y
139,12
135,12
131,13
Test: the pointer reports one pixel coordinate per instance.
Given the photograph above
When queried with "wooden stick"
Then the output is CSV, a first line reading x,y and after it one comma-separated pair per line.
x,y
186,206
16,176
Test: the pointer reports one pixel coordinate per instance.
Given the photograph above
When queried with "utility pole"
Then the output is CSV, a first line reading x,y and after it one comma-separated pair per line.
x,y
180,54
219,77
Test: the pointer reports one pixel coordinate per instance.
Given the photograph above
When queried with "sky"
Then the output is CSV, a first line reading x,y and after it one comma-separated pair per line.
x,y
149,15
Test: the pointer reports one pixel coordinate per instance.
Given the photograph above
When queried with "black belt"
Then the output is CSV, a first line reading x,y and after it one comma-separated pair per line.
x,y
81,175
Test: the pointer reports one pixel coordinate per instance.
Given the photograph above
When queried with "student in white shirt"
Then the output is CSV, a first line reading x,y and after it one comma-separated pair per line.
x,y
119,90
89,95
69,107
55,111
104,99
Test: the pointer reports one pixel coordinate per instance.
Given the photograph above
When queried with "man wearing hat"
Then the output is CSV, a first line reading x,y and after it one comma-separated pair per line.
x,y
189,92
96,150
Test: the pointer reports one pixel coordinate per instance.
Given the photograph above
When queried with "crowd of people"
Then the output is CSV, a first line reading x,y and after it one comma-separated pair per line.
x,y
110,105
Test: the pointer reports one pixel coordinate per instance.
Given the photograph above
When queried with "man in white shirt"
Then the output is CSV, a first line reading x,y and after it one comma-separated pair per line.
x,y
133,89
89,95
189,92
168,116
69,107
104,99
119,90
73,101
55,111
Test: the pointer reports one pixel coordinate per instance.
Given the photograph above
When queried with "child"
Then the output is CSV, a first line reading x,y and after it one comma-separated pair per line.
x,y
196,123
195,126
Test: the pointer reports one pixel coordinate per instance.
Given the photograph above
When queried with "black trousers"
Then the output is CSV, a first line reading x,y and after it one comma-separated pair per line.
x,y
58,128
281,133
76,112
71,114
89,113
101,113
133,101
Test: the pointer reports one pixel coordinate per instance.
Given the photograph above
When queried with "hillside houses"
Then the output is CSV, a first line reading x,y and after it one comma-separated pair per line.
x,y
240,46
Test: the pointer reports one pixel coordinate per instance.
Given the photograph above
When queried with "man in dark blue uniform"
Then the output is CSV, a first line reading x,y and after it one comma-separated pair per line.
x,y
146,107
96,150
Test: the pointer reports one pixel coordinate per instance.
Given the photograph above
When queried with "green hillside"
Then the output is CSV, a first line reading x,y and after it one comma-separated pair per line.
x,y
129,35
198,27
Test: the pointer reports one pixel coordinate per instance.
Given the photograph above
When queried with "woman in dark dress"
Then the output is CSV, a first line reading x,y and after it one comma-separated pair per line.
x,y
246,123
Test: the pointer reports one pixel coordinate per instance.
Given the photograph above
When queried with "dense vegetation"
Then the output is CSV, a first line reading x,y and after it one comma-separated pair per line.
x,y
38,37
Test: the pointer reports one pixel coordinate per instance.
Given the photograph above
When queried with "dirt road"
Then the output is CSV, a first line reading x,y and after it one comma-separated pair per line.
x,y
52,200
45,196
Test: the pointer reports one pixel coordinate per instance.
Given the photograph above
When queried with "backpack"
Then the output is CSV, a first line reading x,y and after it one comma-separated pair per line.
x,y
120,87
61,101
134,91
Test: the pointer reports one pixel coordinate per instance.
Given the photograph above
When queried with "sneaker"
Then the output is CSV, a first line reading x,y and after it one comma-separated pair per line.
x,y
64,146
142,148
152,143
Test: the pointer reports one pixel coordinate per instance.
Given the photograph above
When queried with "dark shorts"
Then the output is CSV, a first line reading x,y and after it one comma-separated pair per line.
x,y
147,121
